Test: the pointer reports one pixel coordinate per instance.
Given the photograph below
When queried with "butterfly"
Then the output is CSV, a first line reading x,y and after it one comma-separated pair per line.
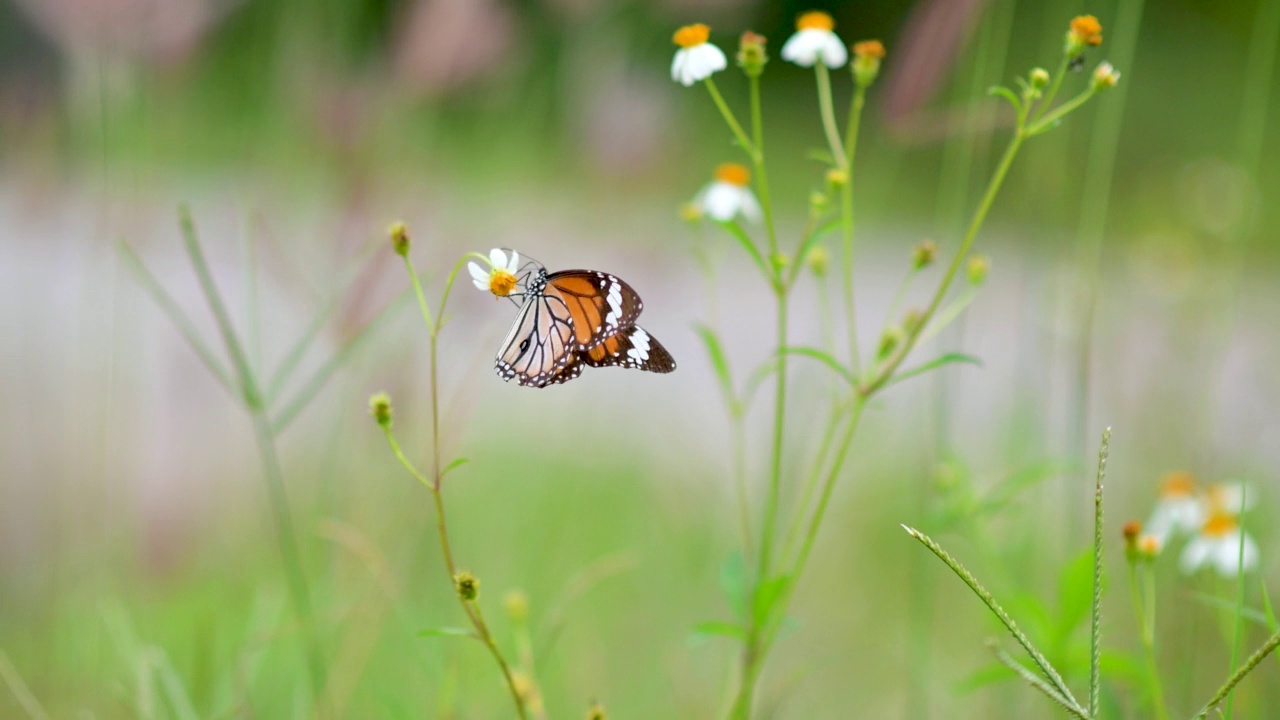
x,y
573,319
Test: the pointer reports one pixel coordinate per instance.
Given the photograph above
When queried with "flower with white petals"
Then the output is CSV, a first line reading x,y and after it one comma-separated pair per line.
x,y
500,278
729,195
1223,544
696,59
815,40
1231,497
1178,509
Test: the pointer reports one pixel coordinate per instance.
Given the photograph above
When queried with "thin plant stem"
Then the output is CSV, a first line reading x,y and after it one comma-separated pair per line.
x,y
1039,659
1143,614
1095,629
1036,681
815,475
1054,84
828,114
847,221
886,370
265,436
434,484
762,176
1271,644
738,429
1238,631
731,120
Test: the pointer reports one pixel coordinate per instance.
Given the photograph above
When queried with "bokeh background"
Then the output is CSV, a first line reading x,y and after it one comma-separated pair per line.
x,y
139,573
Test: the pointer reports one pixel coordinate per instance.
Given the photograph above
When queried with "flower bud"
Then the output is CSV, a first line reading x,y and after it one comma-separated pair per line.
x,y
596,712
923,254
818,260
1085,31
1039,78
836,178
818,202
690,212
977,269
889,341
1105,77
1148,547
780,260
1131,532
467,585
866,61
517,606
399,238
751,53
911,320
380,409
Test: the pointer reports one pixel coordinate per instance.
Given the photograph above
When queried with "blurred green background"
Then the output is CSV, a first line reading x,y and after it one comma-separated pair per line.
x,y
139,575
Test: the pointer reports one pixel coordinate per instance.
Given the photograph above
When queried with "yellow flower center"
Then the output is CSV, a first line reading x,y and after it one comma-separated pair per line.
x,y
1178,484
1087,29
815,20
1219,525
734,174
692,35
869,49
501,282
1149,545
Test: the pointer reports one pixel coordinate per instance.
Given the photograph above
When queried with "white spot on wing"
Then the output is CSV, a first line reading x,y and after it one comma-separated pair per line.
x,y
640,342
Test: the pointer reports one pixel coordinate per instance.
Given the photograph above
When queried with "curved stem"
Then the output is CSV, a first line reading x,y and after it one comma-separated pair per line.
x,y
828,114
732,121
846,215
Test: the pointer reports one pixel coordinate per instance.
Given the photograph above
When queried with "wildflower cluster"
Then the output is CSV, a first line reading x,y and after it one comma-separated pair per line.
x,y
1210,517
738,200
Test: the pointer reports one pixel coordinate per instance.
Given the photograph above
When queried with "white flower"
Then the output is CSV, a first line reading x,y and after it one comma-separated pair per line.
x,y
696,59
1177,510
814,41
729,196
1219,544
500,278
1229,497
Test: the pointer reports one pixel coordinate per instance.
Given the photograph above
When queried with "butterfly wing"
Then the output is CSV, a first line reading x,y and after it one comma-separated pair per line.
x,y
600,305
635,349
540,343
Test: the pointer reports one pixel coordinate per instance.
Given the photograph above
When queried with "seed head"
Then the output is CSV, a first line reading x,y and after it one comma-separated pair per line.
x,y
467,585
380,409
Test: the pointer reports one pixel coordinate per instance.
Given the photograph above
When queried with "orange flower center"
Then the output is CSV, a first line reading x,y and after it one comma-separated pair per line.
x,y
1087,29
1132,530
1149,545
815,20
501,282
1178,484
692,35
1219,525
869,49
734,174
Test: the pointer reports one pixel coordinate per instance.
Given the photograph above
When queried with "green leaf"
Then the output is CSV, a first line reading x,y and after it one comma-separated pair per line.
x,y
747,244
758,376
948,359
733,581
448,632
456,463
767,595
825,358
1075,593
822,155
1007,94
719,363
717,628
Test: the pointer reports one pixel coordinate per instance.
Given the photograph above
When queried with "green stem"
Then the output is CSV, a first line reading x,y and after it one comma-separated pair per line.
x,y
1047,122
828,114
1095,629
762,177
1144,609
847,222
1055,83
732,121
886,370
1238,632
1249,665
811,484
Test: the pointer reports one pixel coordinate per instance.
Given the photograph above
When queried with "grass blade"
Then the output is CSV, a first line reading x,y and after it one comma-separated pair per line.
x,y
179,319
1239,675
825,358
948,359
1036,681
1095,629
719,363
320,378
1036,656
19,688
745,241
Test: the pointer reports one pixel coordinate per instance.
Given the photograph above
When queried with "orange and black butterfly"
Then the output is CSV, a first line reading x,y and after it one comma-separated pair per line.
x,y
575,318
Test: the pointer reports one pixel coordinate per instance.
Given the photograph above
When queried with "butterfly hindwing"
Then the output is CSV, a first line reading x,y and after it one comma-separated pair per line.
x,y
635,348
540,343
600,305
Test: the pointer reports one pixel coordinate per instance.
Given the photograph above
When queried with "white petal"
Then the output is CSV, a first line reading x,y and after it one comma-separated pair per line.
x,y
1226,554
677,66
721,201
514,263
1186,514
498,258
1229,496
834,54
478,276
1195,554
803,47
750,208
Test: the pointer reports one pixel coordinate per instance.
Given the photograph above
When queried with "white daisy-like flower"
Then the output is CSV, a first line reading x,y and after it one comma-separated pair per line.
x,y
1230,496
1177,510
729,195
815,40
500,277
696,59
1219,544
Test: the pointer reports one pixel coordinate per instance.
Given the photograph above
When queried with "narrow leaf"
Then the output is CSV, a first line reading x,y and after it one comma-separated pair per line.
x,y
1248,613
456,463
178,318
448,632
719,363
757,377
747,244
733,581
717,628
767,596
948,359
825,358
1038,683
1007,94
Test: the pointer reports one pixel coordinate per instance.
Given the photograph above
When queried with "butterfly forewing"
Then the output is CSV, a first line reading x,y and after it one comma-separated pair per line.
x,y
540,343
600,305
